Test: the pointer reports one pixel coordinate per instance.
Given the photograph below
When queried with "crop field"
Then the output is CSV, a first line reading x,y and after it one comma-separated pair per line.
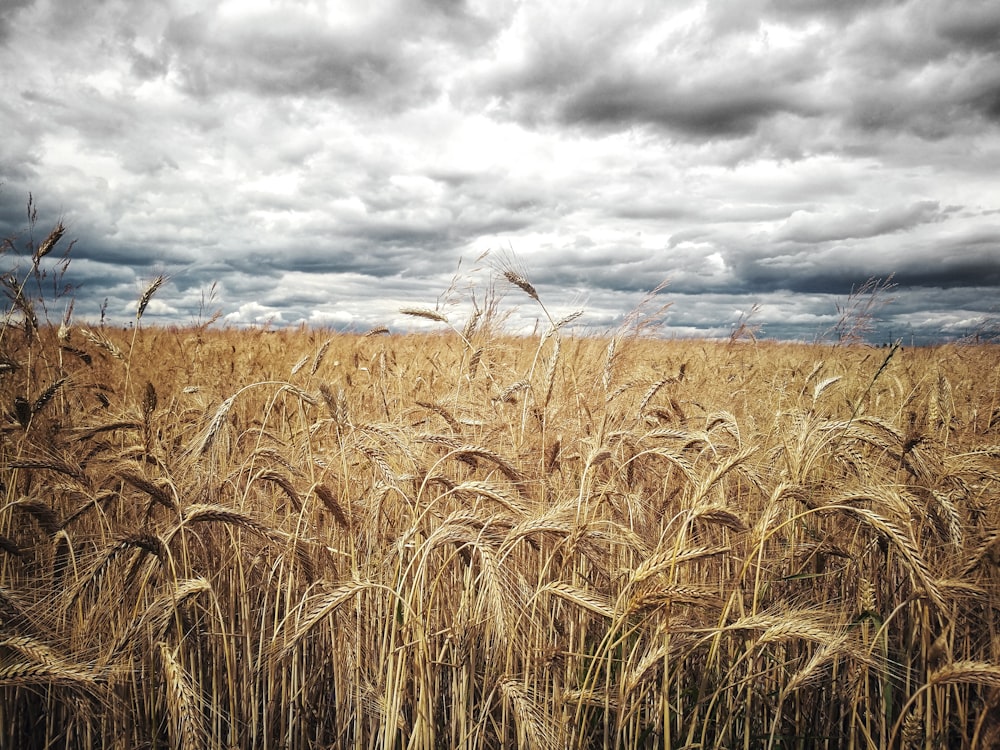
x,y
465,539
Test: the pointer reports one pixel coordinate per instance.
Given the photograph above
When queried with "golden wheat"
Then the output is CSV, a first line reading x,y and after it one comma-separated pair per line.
x,y
306,539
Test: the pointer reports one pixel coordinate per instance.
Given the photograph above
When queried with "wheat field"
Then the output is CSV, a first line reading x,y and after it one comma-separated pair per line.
x,y
217,538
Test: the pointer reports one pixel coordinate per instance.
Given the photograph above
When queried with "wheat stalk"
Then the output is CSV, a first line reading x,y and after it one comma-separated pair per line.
x,y
37,674
531,720
426,313
588,600
317,610
185,726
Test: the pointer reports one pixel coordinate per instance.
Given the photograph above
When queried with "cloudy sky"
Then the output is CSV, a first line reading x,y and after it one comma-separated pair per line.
x,y
332,161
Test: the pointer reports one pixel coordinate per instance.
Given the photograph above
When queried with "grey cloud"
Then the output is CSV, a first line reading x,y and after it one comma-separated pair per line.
x,y
101,278
984,96
696,87
621,267
824,226
292,53
927,72
932,111
935,315
954,273
898,66
842,11
836,270
288,54
965,260
8,16
663,208
137,253
13,212
100,119
914,316
975,23
728,109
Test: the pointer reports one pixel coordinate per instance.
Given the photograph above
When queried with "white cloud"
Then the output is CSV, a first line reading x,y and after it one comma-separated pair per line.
x,y
253,313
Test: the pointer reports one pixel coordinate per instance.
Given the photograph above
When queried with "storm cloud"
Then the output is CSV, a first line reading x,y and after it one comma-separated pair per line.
x,y
329,163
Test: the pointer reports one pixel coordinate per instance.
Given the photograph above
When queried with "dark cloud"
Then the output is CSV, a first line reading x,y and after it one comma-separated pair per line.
x,y
8,16
875,68
686,83
922,67
723,110
985,98
972,270
837,270
974,24
840,12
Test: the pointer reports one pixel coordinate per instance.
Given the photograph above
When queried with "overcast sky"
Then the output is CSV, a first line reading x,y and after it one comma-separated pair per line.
x,y
330,162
